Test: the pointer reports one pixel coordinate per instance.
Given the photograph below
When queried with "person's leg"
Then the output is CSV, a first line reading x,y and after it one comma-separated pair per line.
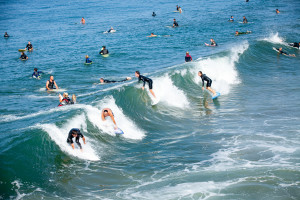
x,y
211,90
151,91
150,88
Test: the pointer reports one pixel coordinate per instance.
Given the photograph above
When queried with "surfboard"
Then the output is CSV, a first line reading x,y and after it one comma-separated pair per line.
x,y
53,90
105,55
154,101
88,63
22,50
176,11
275,49
118,131
216,96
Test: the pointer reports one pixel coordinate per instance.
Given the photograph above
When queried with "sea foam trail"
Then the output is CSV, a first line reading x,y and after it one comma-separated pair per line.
x,y
275,39
221,70
168,93
131,130
59,136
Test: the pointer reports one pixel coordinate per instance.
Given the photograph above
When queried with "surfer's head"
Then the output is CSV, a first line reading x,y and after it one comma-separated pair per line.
x,y
137,73
101,80
200,73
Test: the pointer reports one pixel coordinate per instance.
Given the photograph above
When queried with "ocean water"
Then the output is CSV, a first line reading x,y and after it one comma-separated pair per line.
x,y
244,145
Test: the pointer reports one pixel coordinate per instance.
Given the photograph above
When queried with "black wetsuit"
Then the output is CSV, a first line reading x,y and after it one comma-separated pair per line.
x,y
295,44
245,21
153,14
51,84
104,51
108,81
282,52
175,24
6,35
23,56
29,46
146,79
188,58
208,80
213,44
70,137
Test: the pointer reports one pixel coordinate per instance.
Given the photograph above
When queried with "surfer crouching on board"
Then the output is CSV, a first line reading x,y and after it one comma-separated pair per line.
x,y
75,133
106,112
208,82
50,84
145,79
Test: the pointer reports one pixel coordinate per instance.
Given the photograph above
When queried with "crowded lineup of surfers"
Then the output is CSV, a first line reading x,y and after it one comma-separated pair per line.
x,y
107,112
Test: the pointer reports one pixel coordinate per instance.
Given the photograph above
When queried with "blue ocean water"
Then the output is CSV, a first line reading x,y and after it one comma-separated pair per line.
x,y
244,145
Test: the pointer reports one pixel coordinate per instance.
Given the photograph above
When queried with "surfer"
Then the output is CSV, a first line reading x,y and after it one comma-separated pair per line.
x,y
75,133
102,80
241,33
212,43
152,35
65,100
111,30
284,53
208,82
82,20
23,56
231,19
87,59
29,47
177,8
153,14
50,83
6,35
188,57
295,44
175,24
277,11
36,73
145,79
104,51
106,112
245,20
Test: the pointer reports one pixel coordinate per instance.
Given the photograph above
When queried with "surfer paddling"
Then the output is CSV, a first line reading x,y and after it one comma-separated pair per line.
x,y
280,51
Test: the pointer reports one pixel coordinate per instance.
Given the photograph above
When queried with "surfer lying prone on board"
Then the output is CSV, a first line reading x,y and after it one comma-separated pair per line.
x,y
152,35
75,133
295,44
106,112
284,53
102,80
50,84
65,100
241,33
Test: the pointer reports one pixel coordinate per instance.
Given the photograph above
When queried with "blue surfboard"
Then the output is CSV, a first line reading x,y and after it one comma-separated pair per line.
x,y
118,131
216,96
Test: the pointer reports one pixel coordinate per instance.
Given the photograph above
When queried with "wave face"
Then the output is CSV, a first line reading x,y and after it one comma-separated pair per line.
x,y
242,145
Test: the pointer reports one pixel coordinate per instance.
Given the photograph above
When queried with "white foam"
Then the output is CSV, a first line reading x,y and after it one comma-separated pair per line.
x,y
221,70
18,185
59,136
131,130
168,93
274,38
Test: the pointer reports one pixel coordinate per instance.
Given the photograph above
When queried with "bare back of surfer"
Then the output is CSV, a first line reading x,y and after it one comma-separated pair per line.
x,y
106,112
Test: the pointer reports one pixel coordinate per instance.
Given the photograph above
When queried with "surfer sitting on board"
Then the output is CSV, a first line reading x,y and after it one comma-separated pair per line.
x,y
231,19
284,53
277,11
188,57
104,51
245,20
111,30
212,43
82,20
29,47
208,82
295,44
145,79
107,112
6,35
87,59
102,80
36,73
65,100
50,83
75,133
153,14
23,56
175,24
177,8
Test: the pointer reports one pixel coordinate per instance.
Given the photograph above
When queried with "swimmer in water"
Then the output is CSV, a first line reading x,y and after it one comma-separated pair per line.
x,y
208,82
104,51
23,56
153,14
102,80
82,20
188,57
145,79
280,51
6,35
87,59
50,84
175,24
36,73
75,133
29,47
212,43
277,11
245,21
241,33
106,112
152,35
231,19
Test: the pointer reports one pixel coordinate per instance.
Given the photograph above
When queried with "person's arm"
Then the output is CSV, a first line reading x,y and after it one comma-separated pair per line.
x,y
55,85
60,98
47,86
83,139
112,118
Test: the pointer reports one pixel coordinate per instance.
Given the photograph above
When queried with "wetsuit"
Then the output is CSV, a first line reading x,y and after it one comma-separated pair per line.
x,y
65,101
146,79
175,24
51,84
108,81
153,14
36,74
245,21
188,58
6,35
70,137
282,52
208,80
23,56
87,60
104,51
29,46
295,44
213,44
231,20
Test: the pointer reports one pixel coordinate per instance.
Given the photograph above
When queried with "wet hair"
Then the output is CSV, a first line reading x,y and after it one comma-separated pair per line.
x,y
101,78
105,111
200,72
35,69
138,72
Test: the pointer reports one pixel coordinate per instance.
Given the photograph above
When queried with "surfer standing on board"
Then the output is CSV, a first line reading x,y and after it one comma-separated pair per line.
x,y
75,133
208,82
145,79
